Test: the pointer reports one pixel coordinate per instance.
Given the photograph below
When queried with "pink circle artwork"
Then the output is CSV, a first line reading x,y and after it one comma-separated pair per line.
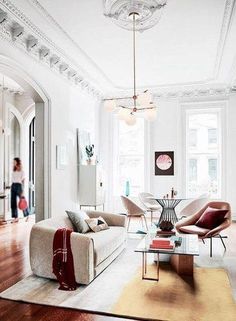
x,y
164,162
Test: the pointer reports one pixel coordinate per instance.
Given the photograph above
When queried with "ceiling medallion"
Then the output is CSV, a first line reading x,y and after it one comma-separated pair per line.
x,y
149,12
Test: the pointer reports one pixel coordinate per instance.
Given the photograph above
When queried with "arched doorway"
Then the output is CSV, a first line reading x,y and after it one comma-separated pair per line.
x,y
41,132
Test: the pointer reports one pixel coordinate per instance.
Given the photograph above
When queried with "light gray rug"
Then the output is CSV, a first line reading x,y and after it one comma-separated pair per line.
x,y
99,296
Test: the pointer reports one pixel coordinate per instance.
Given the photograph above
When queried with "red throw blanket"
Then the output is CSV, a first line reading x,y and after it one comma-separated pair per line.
x,y
63,264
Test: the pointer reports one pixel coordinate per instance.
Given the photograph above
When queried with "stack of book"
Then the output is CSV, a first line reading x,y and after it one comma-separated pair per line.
x,y
162,243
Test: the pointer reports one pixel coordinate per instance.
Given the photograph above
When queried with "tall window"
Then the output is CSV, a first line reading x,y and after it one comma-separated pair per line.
x,y
129,164
203,153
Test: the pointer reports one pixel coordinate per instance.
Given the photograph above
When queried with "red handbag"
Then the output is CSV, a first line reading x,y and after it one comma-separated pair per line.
x,y
22,205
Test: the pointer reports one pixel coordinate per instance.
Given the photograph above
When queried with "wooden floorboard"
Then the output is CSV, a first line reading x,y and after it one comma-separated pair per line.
x,y
14,266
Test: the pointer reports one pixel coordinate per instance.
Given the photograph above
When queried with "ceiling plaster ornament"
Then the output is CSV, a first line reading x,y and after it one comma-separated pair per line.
x,y
17,29
149,12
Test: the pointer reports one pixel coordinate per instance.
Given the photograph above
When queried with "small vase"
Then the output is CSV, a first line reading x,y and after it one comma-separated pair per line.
x,y
127,188
89,161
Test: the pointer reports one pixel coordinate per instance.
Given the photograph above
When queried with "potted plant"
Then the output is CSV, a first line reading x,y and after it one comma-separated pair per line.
x,y
90,152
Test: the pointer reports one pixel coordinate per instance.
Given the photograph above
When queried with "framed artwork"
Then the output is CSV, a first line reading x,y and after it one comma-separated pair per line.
x,y
164,163
61,156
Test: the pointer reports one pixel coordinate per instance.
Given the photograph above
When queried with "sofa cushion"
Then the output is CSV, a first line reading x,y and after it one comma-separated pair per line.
x,y
193,229
78,221
211,218
97,224
106,242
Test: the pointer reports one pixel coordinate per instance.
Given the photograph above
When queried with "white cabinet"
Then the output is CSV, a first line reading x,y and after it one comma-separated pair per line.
x,y
91,185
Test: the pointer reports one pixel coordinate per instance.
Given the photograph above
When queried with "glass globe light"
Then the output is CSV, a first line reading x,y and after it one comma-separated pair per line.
x,y
123,113
131,120
110,105
144,98
151,114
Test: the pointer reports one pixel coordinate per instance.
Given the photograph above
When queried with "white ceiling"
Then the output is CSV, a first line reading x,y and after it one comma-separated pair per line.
x,y
192,43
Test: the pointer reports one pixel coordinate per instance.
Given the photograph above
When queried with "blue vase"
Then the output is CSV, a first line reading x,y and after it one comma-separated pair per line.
x,y
127,188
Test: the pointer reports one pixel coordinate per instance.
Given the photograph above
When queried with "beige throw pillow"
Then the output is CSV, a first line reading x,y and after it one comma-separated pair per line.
x,y
97,224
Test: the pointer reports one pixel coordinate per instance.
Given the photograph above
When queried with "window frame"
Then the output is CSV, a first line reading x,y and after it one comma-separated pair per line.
x,y
220,108
115,155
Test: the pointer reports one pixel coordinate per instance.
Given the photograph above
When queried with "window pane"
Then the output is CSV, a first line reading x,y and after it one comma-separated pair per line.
x,y
212,169
203,172
130,162
193,137
192,169
212,136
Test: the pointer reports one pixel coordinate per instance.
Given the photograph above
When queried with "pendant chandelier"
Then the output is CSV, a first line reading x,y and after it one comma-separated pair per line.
x,y
141,103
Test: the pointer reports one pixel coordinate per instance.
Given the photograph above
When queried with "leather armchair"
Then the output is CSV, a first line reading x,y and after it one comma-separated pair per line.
x,y
187,225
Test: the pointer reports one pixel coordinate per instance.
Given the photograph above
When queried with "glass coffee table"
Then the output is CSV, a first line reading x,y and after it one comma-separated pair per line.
x,y
181,257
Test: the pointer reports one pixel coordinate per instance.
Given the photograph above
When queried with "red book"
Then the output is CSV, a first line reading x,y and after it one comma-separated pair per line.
x,y
166,247
161,242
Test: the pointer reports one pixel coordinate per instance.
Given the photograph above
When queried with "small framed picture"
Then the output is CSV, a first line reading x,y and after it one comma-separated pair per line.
x,y
61,156
164,163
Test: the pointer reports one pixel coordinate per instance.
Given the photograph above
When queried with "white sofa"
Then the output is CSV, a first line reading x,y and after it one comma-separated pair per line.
x,y
92,252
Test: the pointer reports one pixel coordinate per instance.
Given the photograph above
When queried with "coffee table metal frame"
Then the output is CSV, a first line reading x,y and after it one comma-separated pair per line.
x,y
181,257
144,267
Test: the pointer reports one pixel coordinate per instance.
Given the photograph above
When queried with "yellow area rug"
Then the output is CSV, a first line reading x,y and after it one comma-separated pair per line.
x,y
205,297
120,291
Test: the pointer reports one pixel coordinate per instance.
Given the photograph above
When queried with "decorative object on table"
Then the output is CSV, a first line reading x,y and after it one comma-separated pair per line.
x,y
164,163
129,108
166,225
89,152
127,188
61,156
162,233
165,228
177,240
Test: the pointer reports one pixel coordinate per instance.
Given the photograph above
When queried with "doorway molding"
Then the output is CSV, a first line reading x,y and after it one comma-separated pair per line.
x,y
42,101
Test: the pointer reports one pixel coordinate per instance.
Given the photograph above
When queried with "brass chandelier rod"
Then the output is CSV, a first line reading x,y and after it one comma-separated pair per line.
x,y
134,58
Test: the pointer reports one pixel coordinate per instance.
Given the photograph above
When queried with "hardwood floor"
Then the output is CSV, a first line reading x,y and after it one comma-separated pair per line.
x,y
14,266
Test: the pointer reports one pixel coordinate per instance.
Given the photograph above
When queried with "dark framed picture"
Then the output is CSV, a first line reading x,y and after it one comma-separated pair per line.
x,y
164,163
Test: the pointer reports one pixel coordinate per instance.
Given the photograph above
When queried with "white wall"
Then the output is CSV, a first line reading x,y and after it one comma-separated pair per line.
x,y
71,108
165,135
230,169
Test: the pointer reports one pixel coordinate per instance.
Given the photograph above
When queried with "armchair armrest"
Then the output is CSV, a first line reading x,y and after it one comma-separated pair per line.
x,y
190,220
110,218
219,228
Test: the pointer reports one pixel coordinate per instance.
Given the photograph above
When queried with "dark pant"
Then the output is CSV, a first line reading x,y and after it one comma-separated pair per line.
x,y
16,191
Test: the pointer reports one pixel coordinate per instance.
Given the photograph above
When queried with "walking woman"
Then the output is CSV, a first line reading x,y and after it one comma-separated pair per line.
x,y
17,189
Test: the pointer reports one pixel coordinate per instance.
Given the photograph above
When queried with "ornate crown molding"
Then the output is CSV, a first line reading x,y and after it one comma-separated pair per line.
x,y
189,92
226,22
149,12
17,29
